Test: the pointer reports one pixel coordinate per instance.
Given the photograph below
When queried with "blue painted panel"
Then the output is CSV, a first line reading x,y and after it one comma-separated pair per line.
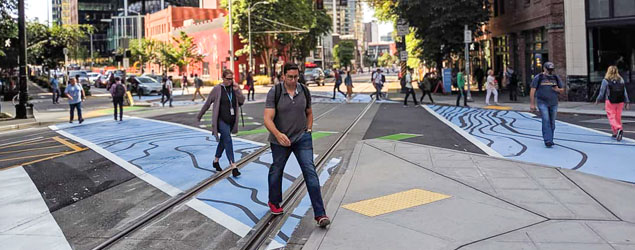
x,y
517,135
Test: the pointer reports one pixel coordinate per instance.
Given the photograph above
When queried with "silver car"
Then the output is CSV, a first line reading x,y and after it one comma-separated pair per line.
x,y
147,85
314,75
83,76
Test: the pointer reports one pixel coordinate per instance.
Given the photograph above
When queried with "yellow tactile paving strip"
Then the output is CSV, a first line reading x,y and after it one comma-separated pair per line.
x,y
395,202
498,107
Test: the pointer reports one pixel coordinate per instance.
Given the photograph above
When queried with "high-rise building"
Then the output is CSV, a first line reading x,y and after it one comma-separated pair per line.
x,y
346,16
64,12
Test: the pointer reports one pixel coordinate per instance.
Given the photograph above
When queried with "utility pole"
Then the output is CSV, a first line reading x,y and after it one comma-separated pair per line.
x,y
467,40
20,108
92,59
231,38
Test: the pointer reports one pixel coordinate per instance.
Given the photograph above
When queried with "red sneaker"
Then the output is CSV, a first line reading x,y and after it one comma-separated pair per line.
x,y
275,209
323,221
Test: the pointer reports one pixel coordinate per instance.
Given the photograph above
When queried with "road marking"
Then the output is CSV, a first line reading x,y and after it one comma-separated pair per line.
x,y
44,159
31,149
24,143
32,139
464,133
154,181
26,220
399,137
26,157
66,143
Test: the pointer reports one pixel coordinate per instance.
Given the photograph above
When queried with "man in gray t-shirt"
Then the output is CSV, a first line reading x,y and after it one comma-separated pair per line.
x,y
289,118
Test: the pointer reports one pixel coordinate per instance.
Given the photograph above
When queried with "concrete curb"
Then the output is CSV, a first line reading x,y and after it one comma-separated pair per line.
x,y
25,126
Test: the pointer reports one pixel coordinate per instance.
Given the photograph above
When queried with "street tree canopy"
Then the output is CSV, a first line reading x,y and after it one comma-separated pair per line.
x,y
278,15
343,53
438,24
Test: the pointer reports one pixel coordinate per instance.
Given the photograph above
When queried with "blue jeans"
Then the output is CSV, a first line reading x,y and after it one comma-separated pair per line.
x,y
77,106
303,151
548,114
56,95
225,142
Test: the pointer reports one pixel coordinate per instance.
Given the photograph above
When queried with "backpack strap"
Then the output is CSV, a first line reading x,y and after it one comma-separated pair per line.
x,y
307,96
278,91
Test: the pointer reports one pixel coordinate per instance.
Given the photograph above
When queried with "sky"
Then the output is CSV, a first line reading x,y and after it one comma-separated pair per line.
x,y
39,9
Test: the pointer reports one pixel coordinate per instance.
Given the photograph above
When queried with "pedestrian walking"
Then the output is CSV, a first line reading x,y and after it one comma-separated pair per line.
x,y
184,84
55,88
168,87
378,79
227,98
338,83
409,89
544,90
251,89
198,83
512,82
426,85
289,118
76,95
118,93
491,87
613,93
460,84
478,77
348,81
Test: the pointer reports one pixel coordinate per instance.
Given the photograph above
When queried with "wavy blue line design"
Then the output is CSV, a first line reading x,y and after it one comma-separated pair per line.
x,y
517,135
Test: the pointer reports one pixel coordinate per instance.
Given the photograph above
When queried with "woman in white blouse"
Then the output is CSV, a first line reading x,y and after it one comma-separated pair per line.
x,y
491,87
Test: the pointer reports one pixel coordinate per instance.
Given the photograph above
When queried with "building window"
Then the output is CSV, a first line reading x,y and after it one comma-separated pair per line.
x,y
206,68
622,8
598,9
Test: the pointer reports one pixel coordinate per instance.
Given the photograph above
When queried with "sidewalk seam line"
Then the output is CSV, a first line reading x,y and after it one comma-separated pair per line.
x,y
501,234
587,193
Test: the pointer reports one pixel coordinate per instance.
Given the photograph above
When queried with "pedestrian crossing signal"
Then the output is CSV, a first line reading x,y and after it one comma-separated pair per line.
x,y
319,4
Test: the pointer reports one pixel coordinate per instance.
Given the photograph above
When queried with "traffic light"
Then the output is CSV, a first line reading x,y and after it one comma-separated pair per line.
x,y
344,3
319,4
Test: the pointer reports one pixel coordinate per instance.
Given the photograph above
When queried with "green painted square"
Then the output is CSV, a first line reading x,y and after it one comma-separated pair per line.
x,y
316,135
252,132
398,137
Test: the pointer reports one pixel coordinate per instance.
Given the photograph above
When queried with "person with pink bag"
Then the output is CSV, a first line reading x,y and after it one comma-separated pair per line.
x,y
613,93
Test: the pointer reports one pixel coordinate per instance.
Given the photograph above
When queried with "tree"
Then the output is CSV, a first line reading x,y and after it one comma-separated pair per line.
x,y
143,51
186,51
438,24
267,45
344,53
166,56
386,60
46,45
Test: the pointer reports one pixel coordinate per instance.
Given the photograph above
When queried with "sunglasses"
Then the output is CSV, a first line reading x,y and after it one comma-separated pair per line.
x,y
230,78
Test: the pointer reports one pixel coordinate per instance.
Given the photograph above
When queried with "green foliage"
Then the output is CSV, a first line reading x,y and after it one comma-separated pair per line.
x,y
386,60
438,24
143,50
297,13
166,56
343,53
186,51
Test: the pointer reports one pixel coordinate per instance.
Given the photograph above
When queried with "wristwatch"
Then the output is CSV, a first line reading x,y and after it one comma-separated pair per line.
x,y
309,130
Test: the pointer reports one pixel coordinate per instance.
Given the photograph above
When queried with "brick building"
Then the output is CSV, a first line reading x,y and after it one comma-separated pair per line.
x,y
523,34
205,26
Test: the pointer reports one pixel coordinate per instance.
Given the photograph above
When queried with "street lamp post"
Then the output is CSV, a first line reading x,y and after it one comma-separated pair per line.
x,y
251,69
20,108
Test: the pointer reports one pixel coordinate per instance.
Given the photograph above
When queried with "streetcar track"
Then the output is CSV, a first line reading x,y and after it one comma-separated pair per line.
x,y
189,194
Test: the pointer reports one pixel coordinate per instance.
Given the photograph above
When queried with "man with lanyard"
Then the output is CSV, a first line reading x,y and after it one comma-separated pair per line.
x,y
289,118
545,89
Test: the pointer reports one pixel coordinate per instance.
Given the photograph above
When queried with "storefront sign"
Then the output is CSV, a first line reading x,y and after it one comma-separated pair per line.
x,y
447,80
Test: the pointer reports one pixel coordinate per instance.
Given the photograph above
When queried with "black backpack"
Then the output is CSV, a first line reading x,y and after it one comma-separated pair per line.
x,y
616,91
119,90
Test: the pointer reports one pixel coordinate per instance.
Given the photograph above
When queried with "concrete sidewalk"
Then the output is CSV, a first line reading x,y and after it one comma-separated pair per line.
x,y
397,195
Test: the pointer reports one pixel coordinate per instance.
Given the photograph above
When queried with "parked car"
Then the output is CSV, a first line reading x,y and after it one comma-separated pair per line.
x,y
314,75
158,78
83,76
146,85
101,81
328,73
92,77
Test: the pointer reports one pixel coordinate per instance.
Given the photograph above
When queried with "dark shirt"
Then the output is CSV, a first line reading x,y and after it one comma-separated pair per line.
x,y
291,117
224,112
544,85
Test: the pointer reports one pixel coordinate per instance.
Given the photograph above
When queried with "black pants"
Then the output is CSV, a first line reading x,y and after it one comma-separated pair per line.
x,y
118,101
410,91
461,94
513,93
424,93
336,89
56,95
251,91
168,97
480,84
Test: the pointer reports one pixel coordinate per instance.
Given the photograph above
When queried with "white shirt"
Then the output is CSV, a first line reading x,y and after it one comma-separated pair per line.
x,y
491,82
378,77
169,85
408,80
